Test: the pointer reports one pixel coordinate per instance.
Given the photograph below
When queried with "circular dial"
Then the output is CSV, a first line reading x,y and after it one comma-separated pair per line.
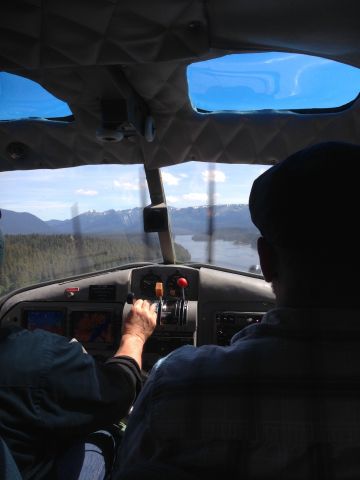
x,y
173,290
147,284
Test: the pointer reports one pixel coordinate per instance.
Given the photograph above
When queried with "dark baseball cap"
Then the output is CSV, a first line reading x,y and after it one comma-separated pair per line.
x,y
311,199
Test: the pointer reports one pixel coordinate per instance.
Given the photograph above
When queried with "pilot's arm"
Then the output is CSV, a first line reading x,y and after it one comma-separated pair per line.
x,y
82,394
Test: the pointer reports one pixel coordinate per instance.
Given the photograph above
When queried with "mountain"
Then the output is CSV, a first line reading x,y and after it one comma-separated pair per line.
x,y
108,222
189,220
22,223
192,220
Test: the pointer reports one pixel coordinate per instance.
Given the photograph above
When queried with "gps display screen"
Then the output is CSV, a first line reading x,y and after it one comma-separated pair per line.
x,y
49,320
90,327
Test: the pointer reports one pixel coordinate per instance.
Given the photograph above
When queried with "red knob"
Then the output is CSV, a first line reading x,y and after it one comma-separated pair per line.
x,y
182,282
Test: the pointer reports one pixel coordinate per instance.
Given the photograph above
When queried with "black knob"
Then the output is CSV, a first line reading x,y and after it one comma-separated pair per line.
x,y
130,298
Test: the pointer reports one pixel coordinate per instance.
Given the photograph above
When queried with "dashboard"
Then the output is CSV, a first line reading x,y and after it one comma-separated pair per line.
x,y
196,306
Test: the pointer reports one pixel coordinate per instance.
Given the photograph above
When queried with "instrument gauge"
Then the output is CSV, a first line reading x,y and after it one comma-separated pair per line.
x,y
147,284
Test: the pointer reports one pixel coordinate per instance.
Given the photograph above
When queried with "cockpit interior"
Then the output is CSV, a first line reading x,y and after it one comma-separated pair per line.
x,y
124,71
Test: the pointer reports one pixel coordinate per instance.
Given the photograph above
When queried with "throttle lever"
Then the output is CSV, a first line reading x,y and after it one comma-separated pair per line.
x,y
159,292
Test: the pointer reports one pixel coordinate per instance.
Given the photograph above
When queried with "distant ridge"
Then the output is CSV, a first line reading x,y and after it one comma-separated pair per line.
x,y
22,223
184,221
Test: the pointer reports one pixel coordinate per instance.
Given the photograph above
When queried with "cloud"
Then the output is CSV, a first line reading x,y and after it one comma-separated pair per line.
x,y
202,197
172,199
170,179
29,206
46,210
126,185
33,176
87,193
183,175
213,176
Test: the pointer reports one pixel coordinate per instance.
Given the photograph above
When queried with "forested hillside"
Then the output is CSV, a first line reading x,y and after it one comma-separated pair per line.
x,y
30,259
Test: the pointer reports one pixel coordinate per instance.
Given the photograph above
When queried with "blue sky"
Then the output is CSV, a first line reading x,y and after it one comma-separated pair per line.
x,y
50,194
22,98
271,80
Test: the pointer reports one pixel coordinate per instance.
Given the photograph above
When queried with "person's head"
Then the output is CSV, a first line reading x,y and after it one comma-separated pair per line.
x,y
306,209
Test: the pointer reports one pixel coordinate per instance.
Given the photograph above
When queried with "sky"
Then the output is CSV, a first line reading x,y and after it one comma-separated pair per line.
x,y
271,80
51,194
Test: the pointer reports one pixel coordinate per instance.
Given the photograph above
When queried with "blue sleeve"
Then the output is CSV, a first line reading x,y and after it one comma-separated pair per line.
x,y
80,394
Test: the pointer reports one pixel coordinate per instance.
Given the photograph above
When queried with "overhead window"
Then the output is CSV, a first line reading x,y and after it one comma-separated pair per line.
x,y
274,80
22,98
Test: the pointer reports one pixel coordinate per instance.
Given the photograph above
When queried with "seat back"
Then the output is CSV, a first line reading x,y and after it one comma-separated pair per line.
x,y
152,470
8,467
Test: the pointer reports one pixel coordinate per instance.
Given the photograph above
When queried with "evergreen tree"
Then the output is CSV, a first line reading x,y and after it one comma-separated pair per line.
x,y
31,259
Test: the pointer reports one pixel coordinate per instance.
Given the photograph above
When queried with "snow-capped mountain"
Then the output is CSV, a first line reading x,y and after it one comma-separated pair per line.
x,y
188,220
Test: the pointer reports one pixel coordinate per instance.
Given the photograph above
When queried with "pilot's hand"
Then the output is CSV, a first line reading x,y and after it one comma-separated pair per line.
x,y
141,320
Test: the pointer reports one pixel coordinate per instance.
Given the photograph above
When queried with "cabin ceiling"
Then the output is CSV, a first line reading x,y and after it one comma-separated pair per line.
x,y
88,51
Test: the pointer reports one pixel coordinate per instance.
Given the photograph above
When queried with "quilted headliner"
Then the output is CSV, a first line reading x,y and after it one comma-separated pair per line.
x,y
84,51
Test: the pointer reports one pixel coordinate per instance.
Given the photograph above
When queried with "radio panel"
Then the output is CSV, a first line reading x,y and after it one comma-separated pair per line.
x,y
228,323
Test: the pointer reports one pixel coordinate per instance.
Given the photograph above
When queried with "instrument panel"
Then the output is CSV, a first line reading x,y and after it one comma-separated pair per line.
x,y
207,306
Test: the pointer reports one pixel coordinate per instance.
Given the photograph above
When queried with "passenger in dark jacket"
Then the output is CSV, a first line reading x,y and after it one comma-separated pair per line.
x,y
52,392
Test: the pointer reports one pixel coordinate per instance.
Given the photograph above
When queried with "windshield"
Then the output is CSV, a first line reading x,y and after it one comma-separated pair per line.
x,y
60,223
190,190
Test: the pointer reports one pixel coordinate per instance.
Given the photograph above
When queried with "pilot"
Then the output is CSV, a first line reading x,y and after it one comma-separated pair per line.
x,y
283,400
52,393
